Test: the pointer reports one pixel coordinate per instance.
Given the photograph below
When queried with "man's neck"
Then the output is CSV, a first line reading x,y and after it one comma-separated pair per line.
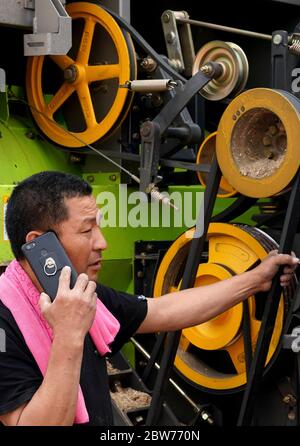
x,y
30,273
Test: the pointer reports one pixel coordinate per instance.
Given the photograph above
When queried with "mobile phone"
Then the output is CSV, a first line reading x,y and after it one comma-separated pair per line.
x,y
47,257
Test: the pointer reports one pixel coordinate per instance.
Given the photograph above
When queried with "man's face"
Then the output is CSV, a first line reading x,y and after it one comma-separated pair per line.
x,y
81,237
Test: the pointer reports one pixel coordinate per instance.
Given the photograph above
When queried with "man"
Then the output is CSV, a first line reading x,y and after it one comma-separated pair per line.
x,y
73,385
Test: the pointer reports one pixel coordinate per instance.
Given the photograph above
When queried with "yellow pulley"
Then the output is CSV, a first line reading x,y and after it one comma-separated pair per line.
x,y
257,141
80,91
205,156
211,355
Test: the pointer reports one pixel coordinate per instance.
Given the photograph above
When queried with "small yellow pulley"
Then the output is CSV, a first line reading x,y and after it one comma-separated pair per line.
x,y
205,156
257,141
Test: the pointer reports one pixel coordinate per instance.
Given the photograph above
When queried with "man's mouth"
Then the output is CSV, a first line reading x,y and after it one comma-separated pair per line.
x,y
96,263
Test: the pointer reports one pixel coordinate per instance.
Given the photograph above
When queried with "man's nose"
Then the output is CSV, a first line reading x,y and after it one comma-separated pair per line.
x,y
100,243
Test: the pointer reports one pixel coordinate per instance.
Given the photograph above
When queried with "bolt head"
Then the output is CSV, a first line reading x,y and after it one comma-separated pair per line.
x,y
166,17
277,39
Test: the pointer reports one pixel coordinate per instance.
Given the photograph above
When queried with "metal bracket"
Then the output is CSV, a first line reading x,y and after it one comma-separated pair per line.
x,y
179,41
52,30
152,131
279,56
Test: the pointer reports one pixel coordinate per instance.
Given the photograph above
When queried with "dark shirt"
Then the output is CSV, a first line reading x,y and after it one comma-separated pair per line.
x,y
20,376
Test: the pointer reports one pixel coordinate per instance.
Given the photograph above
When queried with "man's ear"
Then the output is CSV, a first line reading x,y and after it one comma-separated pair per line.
x,y
32,234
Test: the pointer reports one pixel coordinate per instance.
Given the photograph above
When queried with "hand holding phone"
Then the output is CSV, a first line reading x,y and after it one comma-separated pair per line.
x,y
47,257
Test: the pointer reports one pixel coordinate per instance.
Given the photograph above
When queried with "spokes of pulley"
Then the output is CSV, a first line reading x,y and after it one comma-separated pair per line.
x,y
80,91
212,355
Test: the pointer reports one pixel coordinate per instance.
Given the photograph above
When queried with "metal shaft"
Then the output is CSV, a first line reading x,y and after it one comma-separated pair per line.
x,y
229,29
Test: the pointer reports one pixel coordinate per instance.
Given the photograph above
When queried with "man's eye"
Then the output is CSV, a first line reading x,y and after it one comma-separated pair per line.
x,y
87,231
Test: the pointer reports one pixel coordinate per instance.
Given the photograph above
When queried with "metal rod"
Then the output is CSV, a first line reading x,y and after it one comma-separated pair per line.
x,y
188,280
171,381
272,302
243,32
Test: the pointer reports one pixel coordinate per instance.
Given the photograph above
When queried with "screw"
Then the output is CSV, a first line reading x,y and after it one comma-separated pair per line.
x,y
91,178
112,177
277,39
166,17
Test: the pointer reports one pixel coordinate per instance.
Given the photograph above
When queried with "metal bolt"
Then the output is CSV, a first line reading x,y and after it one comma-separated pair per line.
x,y
277,39
273,129
112,177
75,159
140,274
30,135
290,400
91,178
166,17
148,64
206,69
70,73
135,136
170,37
267,140
146,130
157,100
207,417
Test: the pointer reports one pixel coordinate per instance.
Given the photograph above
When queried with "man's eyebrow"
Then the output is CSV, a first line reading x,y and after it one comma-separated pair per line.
x,y
87,220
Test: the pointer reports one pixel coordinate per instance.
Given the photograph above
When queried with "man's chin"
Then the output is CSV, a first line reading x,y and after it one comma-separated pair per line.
x,y
93,273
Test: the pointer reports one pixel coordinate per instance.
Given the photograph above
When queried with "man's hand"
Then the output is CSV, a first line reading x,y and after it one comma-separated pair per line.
x,y
73,311
269,267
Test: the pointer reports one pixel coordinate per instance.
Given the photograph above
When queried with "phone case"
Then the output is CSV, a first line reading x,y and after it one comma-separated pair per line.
x,y
47,257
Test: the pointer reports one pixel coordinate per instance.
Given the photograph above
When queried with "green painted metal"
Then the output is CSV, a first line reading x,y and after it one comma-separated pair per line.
x,y
23,153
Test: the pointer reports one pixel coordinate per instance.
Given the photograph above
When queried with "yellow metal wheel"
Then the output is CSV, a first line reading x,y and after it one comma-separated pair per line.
x,y
257,142
211,355
80,91
205,156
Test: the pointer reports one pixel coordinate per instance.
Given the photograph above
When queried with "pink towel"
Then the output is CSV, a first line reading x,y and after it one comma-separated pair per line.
x,y
21,297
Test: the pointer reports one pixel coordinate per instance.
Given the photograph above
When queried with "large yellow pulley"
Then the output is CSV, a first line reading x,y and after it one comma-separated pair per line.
x,y
211,355
80,91
257,141
205,155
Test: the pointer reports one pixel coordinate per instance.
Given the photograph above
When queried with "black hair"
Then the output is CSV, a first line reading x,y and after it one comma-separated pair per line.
x,y
37,203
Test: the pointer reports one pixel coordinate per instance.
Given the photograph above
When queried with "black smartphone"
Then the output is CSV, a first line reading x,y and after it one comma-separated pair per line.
x,y
47,257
